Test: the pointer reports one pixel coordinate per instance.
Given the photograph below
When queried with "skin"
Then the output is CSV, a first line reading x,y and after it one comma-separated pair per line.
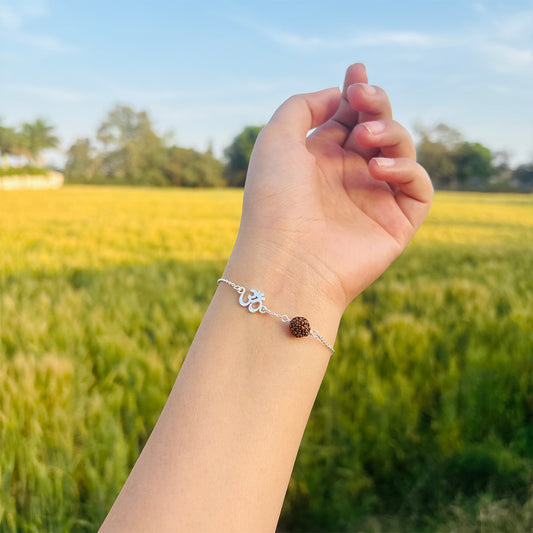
x,y
323,216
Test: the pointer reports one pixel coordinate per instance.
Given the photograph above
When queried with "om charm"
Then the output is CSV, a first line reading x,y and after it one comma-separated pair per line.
x,y
254,302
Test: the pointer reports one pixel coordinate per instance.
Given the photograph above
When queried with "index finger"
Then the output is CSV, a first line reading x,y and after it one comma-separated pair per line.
x,y
339,126
303,112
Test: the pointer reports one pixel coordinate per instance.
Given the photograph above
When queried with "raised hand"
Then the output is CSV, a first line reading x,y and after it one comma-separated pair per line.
x,y
343,202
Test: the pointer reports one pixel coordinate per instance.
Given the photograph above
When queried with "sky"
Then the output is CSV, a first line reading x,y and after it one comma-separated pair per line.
x,y
204,70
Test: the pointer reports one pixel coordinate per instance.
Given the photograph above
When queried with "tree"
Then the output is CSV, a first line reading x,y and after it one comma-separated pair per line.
x,y
452,162
132,150
474,165
82,162
12,143
8,142
238,155
523,176
435,152
188,168
36,137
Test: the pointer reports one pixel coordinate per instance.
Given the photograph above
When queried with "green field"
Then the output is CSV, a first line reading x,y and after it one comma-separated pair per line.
x,y
424,419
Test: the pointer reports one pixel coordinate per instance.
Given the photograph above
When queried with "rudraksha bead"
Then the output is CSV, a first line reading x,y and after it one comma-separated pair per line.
x,y
299,326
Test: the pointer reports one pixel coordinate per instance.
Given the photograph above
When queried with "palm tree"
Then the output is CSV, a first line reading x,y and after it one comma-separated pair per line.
x,y
8,143
37,136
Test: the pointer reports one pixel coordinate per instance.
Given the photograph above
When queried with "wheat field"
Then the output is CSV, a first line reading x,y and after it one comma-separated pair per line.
x,y
424,419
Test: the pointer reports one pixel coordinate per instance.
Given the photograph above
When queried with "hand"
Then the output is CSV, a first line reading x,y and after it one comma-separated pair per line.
x,y
343,202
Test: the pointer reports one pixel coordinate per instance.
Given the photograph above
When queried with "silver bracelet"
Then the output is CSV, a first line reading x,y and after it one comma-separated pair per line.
x,y
299,326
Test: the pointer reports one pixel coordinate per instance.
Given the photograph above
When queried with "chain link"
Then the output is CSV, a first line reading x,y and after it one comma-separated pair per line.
x,y
314,333
259,297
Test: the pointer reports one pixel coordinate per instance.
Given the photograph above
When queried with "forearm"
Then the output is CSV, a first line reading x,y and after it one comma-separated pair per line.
x,y
223,449
322,218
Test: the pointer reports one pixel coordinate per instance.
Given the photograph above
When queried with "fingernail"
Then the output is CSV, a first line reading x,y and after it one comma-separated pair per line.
x,y
368,90
374,127
384,161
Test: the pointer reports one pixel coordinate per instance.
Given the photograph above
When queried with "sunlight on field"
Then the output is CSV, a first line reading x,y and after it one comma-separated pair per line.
x,y
473,218
93,227
79,227
426,402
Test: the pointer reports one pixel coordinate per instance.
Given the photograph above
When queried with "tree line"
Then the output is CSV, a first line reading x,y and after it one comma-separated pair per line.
x,y
456,164
127,150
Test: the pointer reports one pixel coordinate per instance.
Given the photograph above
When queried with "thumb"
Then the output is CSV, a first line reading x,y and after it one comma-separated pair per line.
x,y
302,112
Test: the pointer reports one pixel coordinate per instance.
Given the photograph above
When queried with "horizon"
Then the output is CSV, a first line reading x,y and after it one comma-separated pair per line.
x,y
206,71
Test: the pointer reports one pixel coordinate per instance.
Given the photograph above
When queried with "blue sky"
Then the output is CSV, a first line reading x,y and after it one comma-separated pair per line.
x,y
203,70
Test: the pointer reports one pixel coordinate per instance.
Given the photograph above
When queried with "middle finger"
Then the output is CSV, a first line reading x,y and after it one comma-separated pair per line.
x,y
371,103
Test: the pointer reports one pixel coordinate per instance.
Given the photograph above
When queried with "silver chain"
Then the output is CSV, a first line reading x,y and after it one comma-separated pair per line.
x,y
256,297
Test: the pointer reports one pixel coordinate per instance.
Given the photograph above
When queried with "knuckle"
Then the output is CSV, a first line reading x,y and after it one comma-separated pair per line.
x,y
398,127
295,99
425,177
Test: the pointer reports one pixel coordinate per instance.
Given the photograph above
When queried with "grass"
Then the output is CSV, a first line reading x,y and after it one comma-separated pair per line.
x,y
424,419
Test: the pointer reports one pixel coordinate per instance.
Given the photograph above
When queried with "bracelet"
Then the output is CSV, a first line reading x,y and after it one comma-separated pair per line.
x,y
299,326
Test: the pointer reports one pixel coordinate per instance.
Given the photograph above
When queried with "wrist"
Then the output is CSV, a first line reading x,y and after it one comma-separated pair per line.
x,y
290,287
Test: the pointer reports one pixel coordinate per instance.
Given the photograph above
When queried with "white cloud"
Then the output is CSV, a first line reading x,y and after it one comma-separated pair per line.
x,y
505,42
15,15
517,26
50,93
506,58
9,19
357,39
479,7
46,43
383,38
34,8
137,95
225,89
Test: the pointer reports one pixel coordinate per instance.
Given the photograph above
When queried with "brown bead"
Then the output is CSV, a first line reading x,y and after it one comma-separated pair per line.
x,y
299,326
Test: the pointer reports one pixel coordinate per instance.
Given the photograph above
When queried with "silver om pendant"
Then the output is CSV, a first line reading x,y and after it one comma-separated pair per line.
x,y
254,302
